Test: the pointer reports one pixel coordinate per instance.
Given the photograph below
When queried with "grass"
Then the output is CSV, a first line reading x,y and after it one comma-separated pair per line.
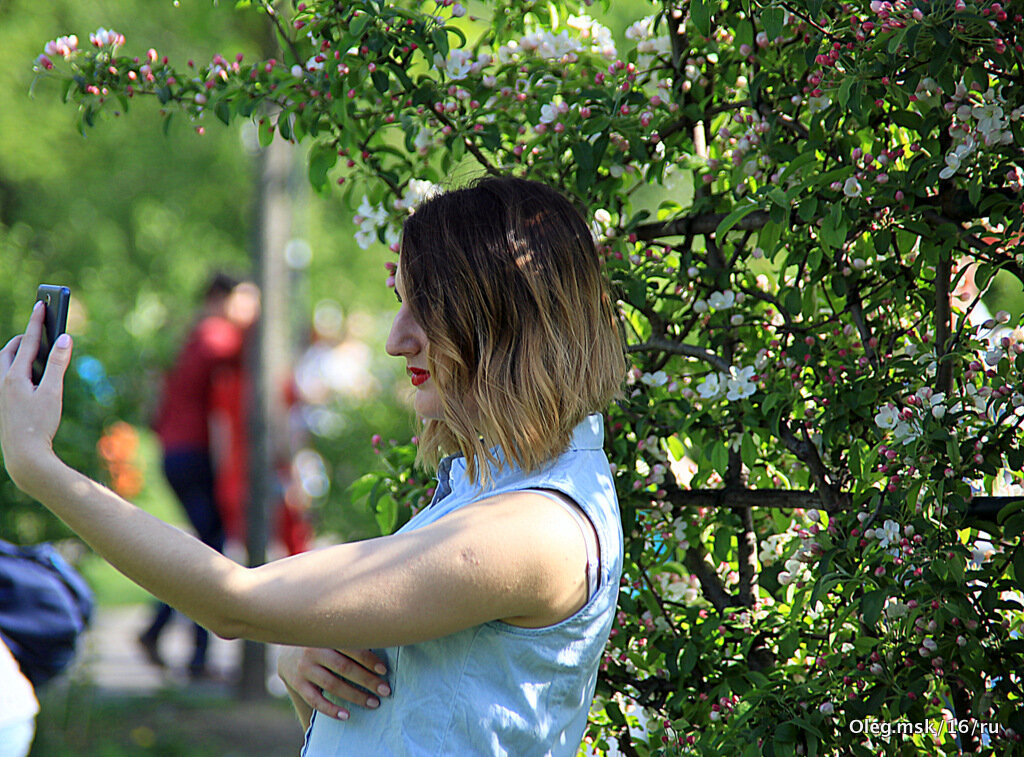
x,y
77,719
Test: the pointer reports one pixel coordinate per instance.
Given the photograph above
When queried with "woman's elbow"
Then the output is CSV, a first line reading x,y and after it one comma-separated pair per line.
x,y
229,632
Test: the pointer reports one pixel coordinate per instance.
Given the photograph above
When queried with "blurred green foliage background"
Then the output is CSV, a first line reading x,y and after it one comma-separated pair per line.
x,y
134,217
134,220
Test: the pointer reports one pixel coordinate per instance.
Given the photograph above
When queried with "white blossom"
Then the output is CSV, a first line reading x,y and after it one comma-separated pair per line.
x,y
642,29
659,378
548,113
424,140
888,533
600,36
722,300
981,552
458,64
887,417
416,191
711,388
956,157
739,384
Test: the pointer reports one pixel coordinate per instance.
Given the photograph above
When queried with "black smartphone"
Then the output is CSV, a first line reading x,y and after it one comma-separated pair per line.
x,y
57,299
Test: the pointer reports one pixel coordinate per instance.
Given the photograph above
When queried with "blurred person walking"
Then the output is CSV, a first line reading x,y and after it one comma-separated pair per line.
x,y
182,423
230,401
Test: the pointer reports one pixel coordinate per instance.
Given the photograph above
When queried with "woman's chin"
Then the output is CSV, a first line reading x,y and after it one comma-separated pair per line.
x,y
427,404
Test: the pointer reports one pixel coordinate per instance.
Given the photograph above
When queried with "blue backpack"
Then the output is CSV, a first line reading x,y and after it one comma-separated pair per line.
x,y
44,605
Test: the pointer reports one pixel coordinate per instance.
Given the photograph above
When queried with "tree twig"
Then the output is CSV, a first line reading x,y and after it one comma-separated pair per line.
x,y
664,344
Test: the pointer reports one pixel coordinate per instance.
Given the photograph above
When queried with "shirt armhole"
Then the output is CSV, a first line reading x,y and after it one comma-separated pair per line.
x,y
589,533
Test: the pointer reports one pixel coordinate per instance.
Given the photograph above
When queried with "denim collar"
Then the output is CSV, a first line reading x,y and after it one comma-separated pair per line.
x,y
451,471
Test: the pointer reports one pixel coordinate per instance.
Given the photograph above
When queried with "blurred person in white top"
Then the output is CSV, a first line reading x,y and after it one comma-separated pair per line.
x,y
18,707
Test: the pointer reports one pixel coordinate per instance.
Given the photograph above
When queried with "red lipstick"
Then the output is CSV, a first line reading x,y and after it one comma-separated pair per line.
x,y
418,375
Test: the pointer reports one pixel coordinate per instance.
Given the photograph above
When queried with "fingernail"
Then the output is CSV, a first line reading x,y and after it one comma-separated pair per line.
x,y
382,669
384,690
342,715
63,342
371,703
39,304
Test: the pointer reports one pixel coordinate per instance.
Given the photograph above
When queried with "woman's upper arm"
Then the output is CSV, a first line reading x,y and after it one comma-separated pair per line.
x,y
518,555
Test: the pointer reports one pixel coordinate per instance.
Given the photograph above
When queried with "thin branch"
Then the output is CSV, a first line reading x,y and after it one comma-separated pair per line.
x,y
807,453
663,344
268,7
471,146
943,328
856,310
979,509
809,21
714,591
703,223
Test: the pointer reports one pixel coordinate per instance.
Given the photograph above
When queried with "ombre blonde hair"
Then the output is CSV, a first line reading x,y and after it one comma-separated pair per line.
x,y
504,279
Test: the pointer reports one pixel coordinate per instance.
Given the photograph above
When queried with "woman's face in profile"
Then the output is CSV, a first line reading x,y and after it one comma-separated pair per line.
x,y
407,339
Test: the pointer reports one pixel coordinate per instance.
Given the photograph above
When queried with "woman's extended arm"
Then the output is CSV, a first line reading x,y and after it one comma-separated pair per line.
x,y
516,557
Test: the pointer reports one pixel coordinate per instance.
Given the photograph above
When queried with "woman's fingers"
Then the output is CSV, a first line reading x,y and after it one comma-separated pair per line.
x,y
29,345
313,695
57,366
331,685
342,668
7,355
319,675
367,659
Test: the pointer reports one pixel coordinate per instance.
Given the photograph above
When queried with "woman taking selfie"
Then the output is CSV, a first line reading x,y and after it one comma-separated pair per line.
x,y
489,610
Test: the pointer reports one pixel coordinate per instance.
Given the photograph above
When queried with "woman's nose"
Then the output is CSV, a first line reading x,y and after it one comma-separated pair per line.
x,y
405,338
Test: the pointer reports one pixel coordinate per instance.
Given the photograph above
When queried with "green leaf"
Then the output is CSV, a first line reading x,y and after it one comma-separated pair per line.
x,y
284,125
700,14
690,657
793,301
265,132
675,447
321,160
835,227
636,292
440,38
723,543
386,514
772,19
358,25
1006,511
586,170
737,215
768,237
380,80
223,111
871,606
361,487
843,94
856,466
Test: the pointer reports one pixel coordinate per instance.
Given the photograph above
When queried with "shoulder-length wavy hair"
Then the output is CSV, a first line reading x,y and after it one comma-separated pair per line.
x,y
504,279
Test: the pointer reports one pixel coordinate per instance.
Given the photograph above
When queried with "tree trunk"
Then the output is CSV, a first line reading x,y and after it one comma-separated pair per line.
x,y
269,367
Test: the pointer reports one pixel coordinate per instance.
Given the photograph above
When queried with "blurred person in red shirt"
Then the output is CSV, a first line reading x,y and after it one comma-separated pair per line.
x,y
214,345
230,399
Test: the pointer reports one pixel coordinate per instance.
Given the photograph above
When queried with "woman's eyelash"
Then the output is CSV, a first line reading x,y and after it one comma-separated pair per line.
x,y
398,296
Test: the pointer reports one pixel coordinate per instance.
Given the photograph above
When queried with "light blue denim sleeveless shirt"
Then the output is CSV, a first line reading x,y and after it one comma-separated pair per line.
x,y
497,689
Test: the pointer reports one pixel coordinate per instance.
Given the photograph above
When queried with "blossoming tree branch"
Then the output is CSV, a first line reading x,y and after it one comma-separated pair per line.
x,y
802,205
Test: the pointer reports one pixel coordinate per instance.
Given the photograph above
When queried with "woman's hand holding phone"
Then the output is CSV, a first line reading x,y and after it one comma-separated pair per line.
x,y
30,414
